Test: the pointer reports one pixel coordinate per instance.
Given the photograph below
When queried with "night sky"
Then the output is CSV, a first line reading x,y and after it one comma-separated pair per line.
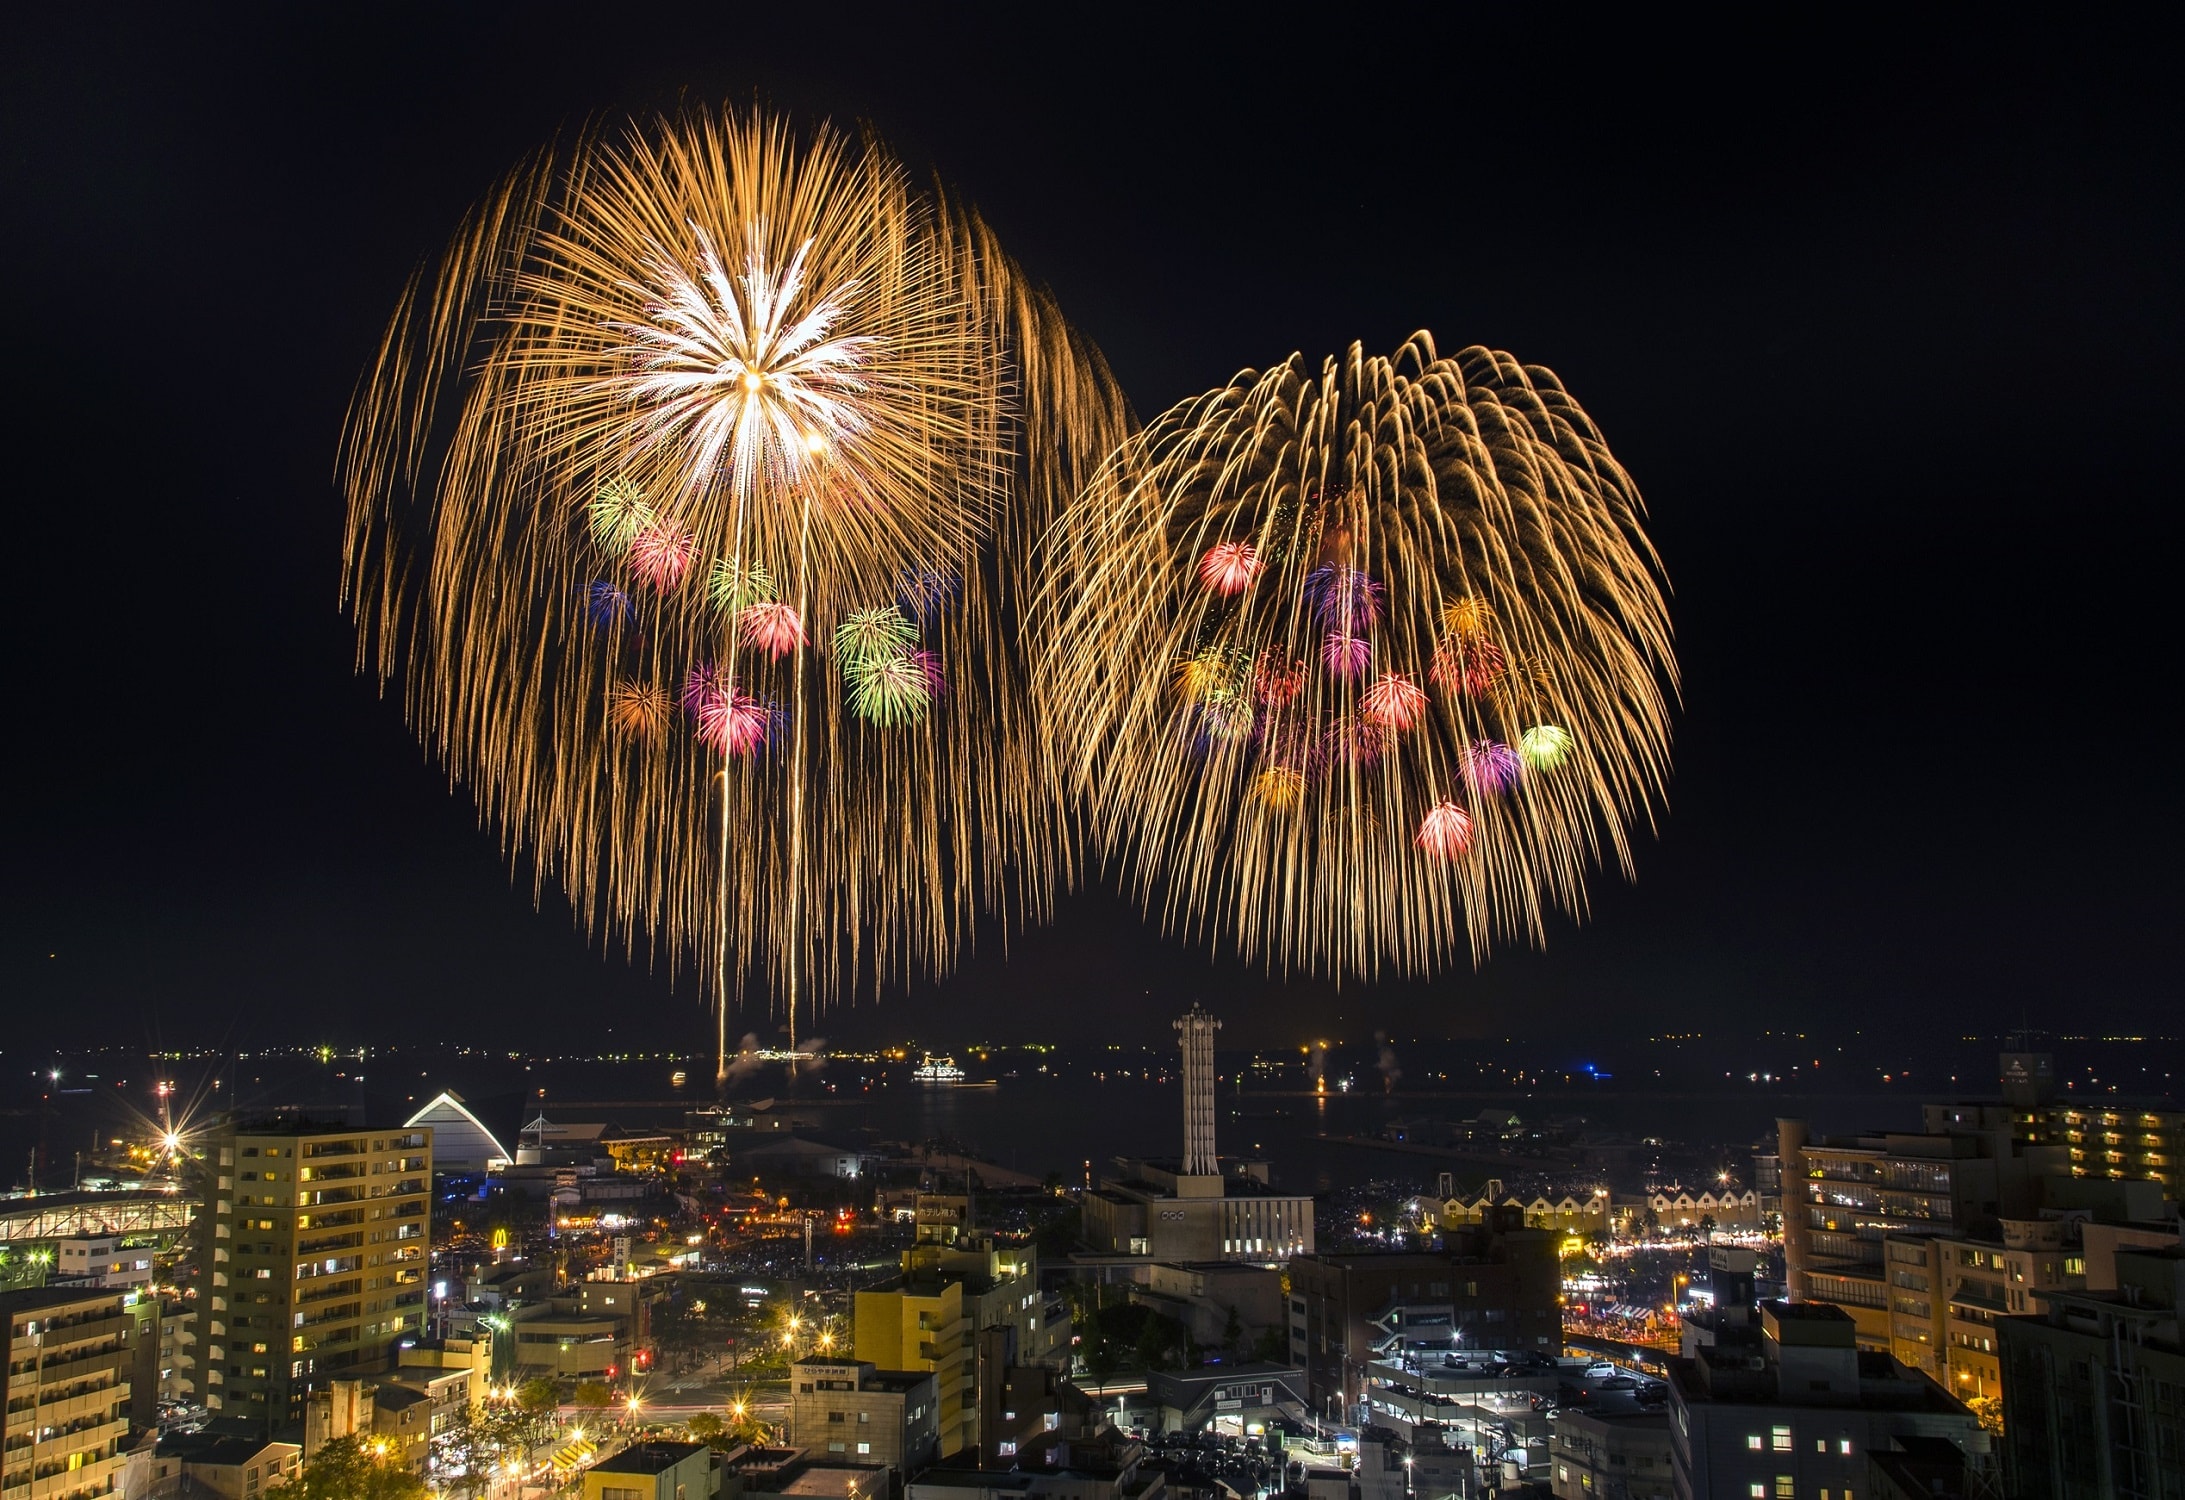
x,y
1886,325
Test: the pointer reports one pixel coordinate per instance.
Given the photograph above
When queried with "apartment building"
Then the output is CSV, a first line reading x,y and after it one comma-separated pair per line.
x,y
1947,1292
314,1246
64,1395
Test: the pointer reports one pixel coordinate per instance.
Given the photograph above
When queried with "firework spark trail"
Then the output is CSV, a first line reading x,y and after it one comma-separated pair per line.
x,y
1445,562
750,382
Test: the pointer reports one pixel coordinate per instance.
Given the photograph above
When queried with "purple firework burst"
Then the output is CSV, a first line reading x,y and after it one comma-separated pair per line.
x,y
1346,600
1491,766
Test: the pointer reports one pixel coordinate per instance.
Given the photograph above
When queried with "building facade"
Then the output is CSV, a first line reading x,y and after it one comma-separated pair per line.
x,y
1501,1291
1844,1197
107,1261
64,1394
924,1328
1948,1292
313,1245
2094,1389
1625,1456
1796,1411
850,1411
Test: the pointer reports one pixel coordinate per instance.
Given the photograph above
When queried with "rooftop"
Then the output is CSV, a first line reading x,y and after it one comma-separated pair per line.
x,y
211,1448
38,1299
647,1458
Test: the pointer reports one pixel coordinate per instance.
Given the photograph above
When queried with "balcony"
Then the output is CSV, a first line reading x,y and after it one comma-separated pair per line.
x,y
315,1294
80,1366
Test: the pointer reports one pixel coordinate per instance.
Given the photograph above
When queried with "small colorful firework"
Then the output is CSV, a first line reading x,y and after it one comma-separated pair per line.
x,y
1446,832
1545,747
640,710
734,723
1467,619
701,685
1229,567
1345,599
1279,787
1213,721
873,635
661,554
617,514
922,593
1468,667
1277,679
772,628
1346,655
1215,674
1393,702
1357,741
929,663
734,586
1490,766
608,605
890,689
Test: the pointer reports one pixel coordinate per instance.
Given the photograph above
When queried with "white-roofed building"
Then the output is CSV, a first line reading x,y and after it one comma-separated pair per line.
x,y
461,1144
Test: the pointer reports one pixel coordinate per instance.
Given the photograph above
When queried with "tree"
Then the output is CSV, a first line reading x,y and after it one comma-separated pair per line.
x,y
1232,1335
593,1395
706,1427
1706,1224
474,1443
1989,1411
353,1469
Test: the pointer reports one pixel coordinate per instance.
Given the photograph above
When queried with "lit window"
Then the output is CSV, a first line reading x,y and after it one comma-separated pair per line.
x,y
1843,1446
1753,1442
1779,1439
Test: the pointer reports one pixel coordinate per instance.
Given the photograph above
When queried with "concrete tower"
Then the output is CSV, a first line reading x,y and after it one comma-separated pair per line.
x,y
1195,1034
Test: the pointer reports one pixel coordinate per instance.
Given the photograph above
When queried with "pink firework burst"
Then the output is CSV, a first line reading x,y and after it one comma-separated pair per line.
x,y
733,723
929,664
1346,655
1468,667
1229,567
701,685
1446,832
1358,741
1393,702
772,628
661,554
1277,680
1491,766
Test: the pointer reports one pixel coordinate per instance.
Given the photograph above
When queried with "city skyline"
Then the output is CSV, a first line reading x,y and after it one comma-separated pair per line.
x,y
1875,818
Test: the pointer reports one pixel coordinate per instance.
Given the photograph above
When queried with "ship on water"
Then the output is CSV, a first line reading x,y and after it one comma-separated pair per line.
x,y
941,1070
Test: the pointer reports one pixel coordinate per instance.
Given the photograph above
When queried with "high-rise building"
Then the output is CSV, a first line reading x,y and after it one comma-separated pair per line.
x,y
313,1246
64,1394
2099,1138
1845,1196
2094,1389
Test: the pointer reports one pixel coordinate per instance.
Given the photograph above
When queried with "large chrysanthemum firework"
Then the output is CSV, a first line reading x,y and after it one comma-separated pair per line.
x,y
738,385
1446,563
